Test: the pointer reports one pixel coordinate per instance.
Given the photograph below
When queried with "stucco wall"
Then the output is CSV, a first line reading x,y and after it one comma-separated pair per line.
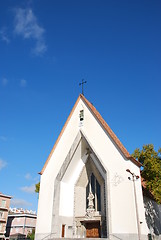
x,y
80,195
46,195
121,205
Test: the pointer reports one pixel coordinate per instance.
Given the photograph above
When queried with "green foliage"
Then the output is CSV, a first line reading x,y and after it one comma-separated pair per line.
x,y
151,173
31,235
37,187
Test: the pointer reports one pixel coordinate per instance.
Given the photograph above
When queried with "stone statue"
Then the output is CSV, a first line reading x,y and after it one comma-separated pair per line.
x,y
90,210
90,201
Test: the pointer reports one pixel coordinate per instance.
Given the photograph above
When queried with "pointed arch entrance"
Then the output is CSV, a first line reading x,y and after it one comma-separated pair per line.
x,y
90,200
81,197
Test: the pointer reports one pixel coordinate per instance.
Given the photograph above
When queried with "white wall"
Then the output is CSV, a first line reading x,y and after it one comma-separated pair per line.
x,y
121,198
122,207
46,194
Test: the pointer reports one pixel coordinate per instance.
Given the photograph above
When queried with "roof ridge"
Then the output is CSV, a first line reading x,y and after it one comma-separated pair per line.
x,y
109,131
102,122
61,133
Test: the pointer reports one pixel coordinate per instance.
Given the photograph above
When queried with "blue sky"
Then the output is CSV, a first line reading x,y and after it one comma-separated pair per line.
x,y
46,49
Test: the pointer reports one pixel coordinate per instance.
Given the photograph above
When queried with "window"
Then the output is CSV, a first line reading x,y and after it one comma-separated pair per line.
x,y
94,187
81,115
1,214
3,203
1,227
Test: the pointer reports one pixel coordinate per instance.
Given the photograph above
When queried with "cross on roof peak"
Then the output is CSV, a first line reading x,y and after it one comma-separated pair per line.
x,y
82,83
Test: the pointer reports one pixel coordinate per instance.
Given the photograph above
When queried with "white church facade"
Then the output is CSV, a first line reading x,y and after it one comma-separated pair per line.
x,y
90,186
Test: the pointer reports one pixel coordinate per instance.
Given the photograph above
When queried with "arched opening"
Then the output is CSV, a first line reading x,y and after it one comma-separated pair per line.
x,y
90,202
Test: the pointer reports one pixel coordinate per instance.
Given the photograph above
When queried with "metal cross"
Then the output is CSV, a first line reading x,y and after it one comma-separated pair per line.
x,y
82,85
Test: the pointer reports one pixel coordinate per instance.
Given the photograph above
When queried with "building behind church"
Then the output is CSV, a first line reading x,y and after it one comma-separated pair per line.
x,y
4,208
20,223
90,185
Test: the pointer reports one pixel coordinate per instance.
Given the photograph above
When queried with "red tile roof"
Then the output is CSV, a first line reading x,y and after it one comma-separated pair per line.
x,y
104,125
110,132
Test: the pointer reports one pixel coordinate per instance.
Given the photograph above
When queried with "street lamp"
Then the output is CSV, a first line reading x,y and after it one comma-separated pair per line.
x,y
134,178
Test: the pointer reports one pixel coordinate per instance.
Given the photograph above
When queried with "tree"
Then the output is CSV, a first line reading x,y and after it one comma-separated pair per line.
x,y
37,187
31,235
151,170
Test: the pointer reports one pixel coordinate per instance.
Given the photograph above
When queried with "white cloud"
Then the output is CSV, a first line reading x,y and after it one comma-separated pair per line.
x,y
3,138
3,35
39,48
4,81
20,203
2,163
26,25
28,176
23,83
28,189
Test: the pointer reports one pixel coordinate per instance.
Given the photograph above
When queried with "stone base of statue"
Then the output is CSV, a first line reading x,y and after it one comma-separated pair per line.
x,y
90,212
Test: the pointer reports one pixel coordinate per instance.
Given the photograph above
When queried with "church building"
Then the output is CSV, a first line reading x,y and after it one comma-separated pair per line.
x,y
90,185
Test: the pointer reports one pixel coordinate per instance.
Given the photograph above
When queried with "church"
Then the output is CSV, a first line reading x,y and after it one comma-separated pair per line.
x,y
90,185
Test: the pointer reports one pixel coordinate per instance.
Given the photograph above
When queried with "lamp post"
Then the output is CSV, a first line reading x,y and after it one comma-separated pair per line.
x,y
134,178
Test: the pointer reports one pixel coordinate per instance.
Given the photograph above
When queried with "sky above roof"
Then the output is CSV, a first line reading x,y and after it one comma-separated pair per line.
x,y
47,48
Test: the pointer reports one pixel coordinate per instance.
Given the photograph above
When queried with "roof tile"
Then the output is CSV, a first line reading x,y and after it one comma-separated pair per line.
x,y
104,125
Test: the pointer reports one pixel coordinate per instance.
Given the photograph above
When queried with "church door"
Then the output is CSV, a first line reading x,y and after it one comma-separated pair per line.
x,y
93,229
63,231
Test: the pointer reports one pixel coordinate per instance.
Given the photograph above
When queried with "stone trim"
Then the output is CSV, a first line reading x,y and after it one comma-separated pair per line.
x,y
56,197
69,157
104,125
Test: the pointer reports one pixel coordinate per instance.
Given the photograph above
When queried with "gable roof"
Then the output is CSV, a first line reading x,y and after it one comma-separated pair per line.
x,y
103,124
